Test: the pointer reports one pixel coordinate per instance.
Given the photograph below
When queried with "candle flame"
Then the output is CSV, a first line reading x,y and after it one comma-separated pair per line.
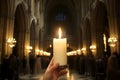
x,y
60,33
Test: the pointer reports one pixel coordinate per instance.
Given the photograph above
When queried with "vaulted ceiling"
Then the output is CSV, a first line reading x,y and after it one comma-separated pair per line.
x,y
67,7
61,8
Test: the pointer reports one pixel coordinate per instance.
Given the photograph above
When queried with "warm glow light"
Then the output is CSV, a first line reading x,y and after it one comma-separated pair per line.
x,y
68,45
68,73
93,48
41,52
71,53
112,41
46,53
79,52
83,50
29,48
60,49
50,45
105,44
11,42
37,50
60,33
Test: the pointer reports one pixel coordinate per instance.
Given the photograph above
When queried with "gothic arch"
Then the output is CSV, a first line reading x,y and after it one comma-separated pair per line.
x,y
6,24
51,24
20,28
101,25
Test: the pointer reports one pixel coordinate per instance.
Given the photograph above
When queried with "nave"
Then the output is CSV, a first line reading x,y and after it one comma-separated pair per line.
x,y
91,30
72,76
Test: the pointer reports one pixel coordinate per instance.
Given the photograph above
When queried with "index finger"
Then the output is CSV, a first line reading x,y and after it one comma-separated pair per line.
x,y
51,63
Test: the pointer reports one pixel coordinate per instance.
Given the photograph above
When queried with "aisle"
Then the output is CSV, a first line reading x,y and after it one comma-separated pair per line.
x,y
73,76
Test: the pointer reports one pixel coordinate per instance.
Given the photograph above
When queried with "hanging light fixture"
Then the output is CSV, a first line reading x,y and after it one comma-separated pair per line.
x,y
11,42
29,48
112,41
93,48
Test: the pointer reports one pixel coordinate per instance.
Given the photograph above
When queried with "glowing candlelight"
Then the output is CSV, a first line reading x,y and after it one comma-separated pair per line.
x,y
60,33
60,49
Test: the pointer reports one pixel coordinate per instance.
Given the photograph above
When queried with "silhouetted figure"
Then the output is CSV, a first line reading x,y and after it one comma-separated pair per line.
x,y
105,59
24,64
113,68
18,66
5,68
82,64
38,65
12,67
90,65
100,69
31,62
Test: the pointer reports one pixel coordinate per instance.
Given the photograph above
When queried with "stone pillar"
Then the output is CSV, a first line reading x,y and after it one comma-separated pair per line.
x,y
7,24
27,43
32,7
93,27
37,14
42,28
1,36
113,17
84,36
36,38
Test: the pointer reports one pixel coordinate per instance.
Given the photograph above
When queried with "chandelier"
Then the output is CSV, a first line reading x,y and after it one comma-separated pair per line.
x,y
11,42
29,48
93,48
112,41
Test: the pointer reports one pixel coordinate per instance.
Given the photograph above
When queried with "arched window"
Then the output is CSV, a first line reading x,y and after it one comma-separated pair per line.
x,y
60,16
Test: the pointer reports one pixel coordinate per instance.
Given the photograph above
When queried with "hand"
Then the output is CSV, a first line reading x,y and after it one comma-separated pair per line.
x,y
53,72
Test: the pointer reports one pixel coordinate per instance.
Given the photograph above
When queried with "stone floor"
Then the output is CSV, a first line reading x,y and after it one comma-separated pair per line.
x,y
72,76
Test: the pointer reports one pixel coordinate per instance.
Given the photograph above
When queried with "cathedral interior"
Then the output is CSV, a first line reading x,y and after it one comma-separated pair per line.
x,y
91,27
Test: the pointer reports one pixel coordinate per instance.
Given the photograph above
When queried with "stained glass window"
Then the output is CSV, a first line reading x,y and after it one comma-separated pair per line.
x,y
60,17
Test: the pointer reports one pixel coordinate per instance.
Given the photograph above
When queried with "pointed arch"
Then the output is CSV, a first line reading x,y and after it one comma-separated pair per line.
x,y
100,23
64,14
20,28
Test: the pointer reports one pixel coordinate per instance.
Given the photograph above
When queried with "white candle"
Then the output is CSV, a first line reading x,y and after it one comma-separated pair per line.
x,y
59,49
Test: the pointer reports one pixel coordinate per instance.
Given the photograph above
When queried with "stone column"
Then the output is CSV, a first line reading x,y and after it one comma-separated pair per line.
x,y
42,28
113,17
37,14
7,24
